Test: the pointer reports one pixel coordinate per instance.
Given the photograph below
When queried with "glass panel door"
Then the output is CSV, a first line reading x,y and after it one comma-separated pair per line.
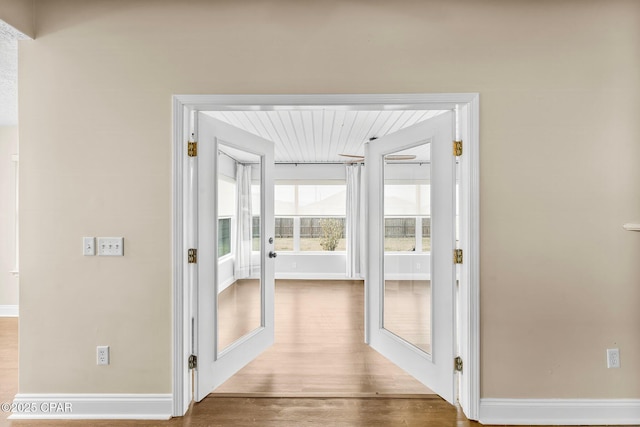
x,y
410,282
234,322
239,271
407,260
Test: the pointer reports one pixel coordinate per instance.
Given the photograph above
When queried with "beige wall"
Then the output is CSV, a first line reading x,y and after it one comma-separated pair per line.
x,y
19,14
560,143
8,281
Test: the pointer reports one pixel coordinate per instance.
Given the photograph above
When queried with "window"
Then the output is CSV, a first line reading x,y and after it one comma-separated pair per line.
x,y
407,222
284,234
224,236
322,234
310,216
399,234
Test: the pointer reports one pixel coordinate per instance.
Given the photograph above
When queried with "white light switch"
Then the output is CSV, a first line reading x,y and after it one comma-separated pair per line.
x,y
88,246
110,246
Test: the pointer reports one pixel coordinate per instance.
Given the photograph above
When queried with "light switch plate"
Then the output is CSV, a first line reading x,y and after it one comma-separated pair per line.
x,y
88,246
111,246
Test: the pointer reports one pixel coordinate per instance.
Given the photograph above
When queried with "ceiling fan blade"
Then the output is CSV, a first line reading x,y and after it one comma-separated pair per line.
x,y
400,157
353,156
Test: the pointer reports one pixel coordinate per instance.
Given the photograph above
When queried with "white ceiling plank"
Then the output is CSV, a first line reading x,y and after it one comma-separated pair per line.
x,y
286,138
244,119
231,118
327,131
345,136
317,120
280,139
376,127
257,125
321,134
301,137
399,124
338,124
391,121
307,124
413,118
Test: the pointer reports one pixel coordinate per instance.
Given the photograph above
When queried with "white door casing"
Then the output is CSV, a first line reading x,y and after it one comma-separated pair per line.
x,y
215,367
435,370
468,107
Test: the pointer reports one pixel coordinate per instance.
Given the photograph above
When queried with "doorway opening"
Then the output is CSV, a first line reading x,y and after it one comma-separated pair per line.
x,y
311,107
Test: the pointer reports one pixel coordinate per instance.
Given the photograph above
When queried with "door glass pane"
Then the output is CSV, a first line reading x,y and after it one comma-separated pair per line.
x,y
239,296
407,245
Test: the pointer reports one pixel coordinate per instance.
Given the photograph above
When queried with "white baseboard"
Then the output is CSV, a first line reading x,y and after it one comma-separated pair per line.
x,y
560,411
92,406
8,311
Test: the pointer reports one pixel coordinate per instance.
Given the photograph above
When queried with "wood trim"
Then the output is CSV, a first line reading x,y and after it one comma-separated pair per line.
x,y
560,411
93,406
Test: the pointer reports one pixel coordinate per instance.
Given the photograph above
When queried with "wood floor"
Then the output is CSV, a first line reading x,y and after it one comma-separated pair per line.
x,y
319,347
220,410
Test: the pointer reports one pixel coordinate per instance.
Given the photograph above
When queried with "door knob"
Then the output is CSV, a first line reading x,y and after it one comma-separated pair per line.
x,y
272,254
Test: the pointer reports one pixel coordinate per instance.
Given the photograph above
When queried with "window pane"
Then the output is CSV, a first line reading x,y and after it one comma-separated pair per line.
x,y
322,200
285,199
224,236
399,234
226,196
407,286
322,234
284,234
426,234
255,233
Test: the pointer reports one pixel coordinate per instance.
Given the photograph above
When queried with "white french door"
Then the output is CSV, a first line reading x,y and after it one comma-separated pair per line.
x,y
234,284
410,290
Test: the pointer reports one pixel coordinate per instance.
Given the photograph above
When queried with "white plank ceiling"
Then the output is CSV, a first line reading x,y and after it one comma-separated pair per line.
x,y
318,136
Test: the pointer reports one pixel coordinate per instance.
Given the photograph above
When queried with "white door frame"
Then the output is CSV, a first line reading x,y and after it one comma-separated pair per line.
x,y
467,109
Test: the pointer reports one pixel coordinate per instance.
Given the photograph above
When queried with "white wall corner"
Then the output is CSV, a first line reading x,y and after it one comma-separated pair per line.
x,y
9,310
92,406
560,411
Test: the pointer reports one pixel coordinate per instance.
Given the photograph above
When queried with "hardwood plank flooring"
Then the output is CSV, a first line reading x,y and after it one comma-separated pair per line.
x,y
8,362
407,311
319,348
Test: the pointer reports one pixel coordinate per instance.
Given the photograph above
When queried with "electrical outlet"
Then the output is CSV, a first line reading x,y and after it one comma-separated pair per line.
x,y
88,246
294,265
110,246
417,266
103,354
613,358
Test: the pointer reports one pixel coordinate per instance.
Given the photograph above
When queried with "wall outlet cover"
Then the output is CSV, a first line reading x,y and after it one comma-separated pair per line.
x,y
613,358
102,354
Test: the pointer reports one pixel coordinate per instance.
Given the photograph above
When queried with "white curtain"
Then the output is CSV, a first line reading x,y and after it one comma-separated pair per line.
x,y
242,265
356,249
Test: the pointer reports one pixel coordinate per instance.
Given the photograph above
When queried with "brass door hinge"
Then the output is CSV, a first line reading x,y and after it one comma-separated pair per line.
x,y
457,148
457,364
193,361
192,256
457,256
192,149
